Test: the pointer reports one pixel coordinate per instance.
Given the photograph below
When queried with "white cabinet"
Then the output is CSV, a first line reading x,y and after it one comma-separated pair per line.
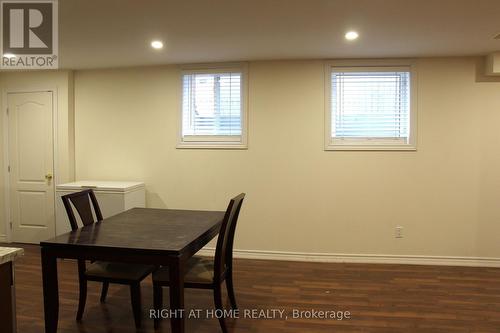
x,y
113,196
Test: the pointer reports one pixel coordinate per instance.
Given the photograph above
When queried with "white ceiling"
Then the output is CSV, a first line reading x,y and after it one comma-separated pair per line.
x,y
112,33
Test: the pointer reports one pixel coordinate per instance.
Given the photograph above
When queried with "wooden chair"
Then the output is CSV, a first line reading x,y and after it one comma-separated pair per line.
x,y
100,271
206,273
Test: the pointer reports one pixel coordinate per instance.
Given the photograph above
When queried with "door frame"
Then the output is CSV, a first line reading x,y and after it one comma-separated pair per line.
x,y
19,90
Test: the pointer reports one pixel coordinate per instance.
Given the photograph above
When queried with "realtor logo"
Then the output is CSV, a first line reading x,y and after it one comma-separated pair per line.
x,y
29,34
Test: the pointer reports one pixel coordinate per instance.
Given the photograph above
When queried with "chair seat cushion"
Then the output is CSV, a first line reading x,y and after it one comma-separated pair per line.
x,y
198,270
118,271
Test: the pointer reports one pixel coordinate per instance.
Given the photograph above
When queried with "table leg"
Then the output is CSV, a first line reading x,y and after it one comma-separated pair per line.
x,y
176,291
7,303
50,291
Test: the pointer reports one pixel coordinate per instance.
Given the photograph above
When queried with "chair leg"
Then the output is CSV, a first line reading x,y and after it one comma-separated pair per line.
x,y
157,303
218,306
230,290
104,291
135,296
82,299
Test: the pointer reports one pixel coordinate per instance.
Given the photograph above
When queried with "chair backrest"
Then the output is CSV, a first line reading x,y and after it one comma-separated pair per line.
x,y
224,250
81,201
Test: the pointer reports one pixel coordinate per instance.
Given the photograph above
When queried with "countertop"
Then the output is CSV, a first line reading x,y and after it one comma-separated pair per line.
x,y
9,254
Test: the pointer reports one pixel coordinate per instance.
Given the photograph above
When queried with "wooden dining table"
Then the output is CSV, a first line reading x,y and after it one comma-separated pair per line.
x,y
163,237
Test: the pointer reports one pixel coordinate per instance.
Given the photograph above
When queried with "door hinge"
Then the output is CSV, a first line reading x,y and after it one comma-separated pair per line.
x,y
8,168
10,225
7,111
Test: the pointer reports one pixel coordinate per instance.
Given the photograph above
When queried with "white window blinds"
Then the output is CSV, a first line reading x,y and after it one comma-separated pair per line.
x,y
370,104
211,106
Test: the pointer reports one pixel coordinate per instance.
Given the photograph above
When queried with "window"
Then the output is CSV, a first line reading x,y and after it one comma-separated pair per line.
x,y
213,108
370,107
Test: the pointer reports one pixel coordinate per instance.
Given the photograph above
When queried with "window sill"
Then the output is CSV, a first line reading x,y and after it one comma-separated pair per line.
x,y
367,146
211,145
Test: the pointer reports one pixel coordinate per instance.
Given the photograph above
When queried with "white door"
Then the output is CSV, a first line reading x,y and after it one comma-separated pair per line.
x,y
31,163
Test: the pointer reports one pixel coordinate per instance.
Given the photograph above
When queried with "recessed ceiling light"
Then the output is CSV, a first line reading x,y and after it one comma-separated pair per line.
x,y
156,44
351,35
9,55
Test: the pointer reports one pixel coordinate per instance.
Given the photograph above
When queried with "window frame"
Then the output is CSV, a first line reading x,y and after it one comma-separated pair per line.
x,y
216,141
380,144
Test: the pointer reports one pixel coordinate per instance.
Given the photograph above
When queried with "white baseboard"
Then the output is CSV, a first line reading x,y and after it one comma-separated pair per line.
x,y
361,258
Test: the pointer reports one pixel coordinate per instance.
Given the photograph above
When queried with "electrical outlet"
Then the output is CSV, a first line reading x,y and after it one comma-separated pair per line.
x,y
399,232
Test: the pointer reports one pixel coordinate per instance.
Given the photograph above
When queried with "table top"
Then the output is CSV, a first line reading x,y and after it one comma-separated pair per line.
x,y
9,254
165,230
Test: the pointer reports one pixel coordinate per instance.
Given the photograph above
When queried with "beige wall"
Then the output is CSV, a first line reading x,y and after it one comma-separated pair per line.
x,y
301,198
62,82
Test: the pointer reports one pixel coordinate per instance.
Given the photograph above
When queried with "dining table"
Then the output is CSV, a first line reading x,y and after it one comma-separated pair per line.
x,y
162,237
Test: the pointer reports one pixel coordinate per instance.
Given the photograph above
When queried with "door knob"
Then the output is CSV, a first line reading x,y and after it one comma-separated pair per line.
x,y
48,176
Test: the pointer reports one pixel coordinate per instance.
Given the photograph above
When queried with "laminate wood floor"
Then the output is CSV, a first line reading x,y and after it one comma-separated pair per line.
x,y
380,298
